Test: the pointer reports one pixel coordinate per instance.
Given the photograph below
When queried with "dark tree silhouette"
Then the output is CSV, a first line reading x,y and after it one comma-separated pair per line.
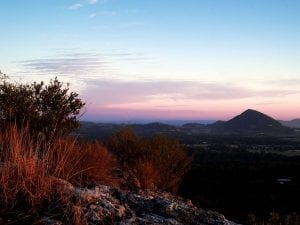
x,y
50,110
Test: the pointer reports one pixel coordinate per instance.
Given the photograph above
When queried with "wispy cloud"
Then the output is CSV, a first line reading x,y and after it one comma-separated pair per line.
x,y
173,91
94,67
130,24
285,82
80,4
69,64
173,99
75,6
99,75
92,15
73,62
92,1
111,13
131,11
108,13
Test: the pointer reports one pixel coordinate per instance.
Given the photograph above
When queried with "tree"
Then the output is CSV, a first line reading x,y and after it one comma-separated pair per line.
x,y
169,159
50,110
3,76
126,145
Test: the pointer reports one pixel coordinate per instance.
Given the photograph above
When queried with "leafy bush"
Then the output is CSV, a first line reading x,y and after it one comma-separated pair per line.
x,y
97,164
49,110
158,162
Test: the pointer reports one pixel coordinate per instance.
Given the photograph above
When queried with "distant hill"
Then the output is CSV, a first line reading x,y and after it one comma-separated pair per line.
x,y
295,123
153,128
251,122
91,130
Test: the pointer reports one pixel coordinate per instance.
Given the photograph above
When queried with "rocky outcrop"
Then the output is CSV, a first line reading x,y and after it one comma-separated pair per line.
x,y
107,205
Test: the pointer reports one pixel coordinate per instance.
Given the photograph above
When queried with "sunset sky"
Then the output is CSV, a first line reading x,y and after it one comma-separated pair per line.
x,y
159,59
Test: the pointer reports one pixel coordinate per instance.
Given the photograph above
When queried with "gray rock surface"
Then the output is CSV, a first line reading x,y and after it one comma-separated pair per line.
x,y
107,205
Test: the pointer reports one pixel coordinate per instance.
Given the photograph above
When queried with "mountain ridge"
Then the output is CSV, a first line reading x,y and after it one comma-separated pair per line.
x,y
294,123
251,122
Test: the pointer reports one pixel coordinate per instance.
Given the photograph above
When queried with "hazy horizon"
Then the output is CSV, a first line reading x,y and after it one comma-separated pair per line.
x,y
161,119
158,60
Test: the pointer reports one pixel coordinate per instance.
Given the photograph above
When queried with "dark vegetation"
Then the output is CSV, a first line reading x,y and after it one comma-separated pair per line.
x,y
240,183
158,162
251,177
49,110
237,175
38,157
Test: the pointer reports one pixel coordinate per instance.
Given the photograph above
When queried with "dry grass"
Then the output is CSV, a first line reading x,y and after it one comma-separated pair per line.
x,y
29,170
147,175
24,174
97,163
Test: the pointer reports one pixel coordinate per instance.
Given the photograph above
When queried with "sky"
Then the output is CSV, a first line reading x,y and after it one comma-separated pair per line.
x,y
159,59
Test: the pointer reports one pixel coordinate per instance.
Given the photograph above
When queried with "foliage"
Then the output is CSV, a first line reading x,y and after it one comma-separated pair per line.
x,y
97,164
158,162
34,174
3,76
50,110
236,182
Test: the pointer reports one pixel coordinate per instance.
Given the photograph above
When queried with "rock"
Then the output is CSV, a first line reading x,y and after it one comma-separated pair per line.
x,y
88,195
93,207
121,211
48,221
107,205
189,202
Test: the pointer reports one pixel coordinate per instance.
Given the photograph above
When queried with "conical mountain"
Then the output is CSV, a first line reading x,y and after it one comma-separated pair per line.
x,y
252,122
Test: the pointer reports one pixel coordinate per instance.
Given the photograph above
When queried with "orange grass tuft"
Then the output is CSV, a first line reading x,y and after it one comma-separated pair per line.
x,y
24,175
30,169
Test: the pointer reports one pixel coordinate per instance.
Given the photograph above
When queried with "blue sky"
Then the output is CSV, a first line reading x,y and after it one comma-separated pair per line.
x,y
192,59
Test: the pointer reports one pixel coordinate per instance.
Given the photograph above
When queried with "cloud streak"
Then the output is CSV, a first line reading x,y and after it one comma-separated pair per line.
x,y
78,5
92,1
107,90
75,6
113,99
172,99
68,65
78,63
120,92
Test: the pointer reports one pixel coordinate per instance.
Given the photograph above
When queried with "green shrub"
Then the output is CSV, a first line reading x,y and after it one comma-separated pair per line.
x,y
50,110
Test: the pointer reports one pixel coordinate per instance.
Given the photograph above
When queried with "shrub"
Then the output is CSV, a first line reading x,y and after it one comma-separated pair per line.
x,y
169,158
127,147
51,110
147,174
157,162
97,164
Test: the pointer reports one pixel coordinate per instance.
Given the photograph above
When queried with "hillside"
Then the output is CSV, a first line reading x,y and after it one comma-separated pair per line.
x,y
295,123
251,122
248,123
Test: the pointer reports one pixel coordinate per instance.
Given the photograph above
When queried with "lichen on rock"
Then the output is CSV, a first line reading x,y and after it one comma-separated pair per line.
x,y
108,205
